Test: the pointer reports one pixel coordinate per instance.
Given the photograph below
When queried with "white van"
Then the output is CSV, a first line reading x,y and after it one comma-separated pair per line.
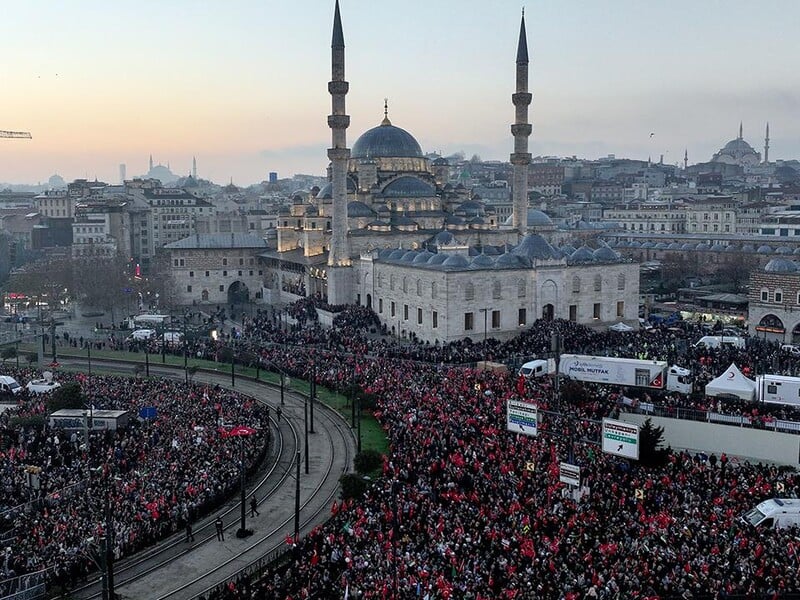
x,y
790,349
42,386
537,368
718,341
9,386
775,513
142,334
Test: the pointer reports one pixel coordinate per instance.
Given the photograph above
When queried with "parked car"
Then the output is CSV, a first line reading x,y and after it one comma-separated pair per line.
x,y
41,386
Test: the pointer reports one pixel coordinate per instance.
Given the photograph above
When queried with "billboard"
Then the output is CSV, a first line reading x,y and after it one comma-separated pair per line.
x,y
521,417
621,439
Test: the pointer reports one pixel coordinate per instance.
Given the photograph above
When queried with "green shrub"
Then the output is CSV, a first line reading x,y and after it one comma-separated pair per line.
x,y
368,461
353,486
69,395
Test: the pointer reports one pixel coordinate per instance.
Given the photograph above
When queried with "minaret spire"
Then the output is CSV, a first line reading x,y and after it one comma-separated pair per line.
x,y
766,145
194,167
521,130
151,162
685,159
740,130
339,284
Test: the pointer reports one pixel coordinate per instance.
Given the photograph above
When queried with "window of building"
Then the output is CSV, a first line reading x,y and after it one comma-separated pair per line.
x,y
393,309
405,285
260,272
573,312
576,285
469,321
764,296
522,288
621,281
405,312
497,289
469,291
419,316
222,288
207,273
596,311
620,308
224,273
240,273
188,288
391,282
175,262
419,288
251,273
191,273
380,305
778,296
522,317
434,289
435,319
224,262
495,319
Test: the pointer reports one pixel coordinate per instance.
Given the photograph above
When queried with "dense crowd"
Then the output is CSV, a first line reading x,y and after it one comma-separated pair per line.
x,y
157,474
459,513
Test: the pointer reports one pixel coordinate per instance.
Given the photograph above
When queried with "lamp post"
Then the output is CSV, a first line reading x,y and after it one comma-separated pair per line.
x,y
485,312
242,432
297,499
305,424
313,392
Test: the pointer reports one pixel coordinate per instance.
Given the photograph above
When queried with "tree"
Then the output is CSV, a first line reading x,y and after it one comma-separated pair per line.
x,y
736,269
353,486
100,282
651,441
69,395
8,353
367,461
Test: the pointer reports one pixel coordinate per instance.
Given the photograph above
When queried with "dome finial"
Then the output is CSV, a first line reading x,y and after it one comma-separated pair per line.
x,y
386,120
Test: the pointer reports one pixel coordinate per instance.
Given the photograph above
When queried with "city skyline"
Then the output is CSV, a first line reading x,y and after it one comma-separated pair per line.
x,y
245,91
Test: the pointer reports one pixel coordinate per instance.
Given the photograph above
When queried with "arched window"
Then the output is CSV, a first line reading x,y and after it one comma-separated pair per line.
x,y
598,283
391,282
405,285
419,288
469,291
576,285
522,288
621,281
434,289
778,296
497,289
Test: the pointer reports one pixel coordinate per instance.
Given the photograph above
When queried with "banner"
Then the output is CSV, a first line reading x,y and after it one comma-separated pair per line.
x,y
521,417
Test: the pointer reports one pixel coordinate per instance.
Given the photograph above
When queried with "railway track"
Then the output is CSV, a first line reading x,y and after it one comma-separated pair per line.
x,y
176,570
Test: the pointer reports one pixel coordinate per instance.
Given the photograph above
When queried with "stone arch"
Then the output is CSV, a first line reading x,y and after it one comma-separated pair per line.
x,y
771,327
238,293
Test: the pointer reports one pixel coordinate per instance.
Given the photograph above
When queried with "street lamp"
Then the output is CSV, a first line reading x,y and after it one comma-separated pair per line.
x,y
242,431
485,312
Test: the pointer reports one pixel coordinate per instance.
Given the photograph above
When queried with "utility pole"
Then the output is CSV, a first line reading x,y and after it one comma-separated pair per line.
x,y
242,529
313,391
359,424
305,423
282,385
297,500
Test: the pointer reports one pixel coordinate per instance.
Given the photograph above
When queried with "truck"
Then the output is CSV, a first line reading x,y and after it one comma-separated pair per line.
x,y
653,374
147,320
538,368
778,389
720,341
775,513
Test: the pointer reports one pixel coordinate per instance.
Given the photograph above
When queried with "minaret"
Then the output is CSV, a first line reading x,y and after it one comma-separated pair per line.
x,y
685,159
339,276
766,145
194,167
151,162
740,130
521,129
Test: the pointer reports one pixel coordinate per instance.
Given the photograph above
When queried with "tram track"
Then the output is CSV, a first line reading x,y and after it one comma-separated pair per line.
x,y
331,457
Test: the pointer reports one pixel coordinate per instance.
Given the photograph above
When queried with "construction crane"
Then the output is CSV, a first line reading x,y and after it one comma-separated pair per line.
x,y
15,134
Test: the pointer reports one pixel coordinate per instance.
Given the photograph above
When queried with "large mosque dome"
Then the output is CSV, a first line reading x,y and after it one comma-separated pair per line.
x,y
386,141
737,152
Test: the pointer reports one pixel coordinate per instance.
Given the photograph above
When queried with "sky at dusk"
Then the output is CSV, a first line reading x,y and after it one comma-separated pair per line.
x,y
242,85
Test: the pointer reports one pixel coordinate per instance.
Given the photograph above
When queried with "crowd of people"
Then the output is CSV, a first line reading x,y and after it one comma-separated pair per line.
x,y
466,509
156,473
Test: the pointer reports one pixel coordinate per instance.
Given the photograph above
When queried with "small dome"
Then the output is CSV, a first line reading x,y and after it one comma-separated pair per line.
x,y
583,254
780,265
702,246
402,220
423,257
783,250
456,261
661,246
605,254
674,246
453,220
622,244
482,262
408,187
385,253
492,250
796,251
535,247
326,193
648,244
634,244
357,209
731,248
717,247
748,248
397,254
536,218
444,238
409,256
567,249
508,261
688,246
764,249
437,259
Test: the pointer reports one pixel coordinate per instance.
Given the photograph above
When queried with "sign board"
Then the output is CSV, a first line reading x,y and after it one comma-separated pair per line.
x,y
621,439
569,474
530,466
521,417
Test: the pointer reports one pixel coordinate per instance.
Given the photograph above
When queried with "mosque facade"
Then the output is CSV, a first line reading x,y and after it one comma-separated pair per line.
x,y
389,232
738,152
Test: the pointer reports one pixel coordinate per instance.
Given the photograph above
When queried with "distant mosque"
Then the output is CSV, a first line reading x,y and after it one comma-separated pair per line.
x,y
739,152
161,172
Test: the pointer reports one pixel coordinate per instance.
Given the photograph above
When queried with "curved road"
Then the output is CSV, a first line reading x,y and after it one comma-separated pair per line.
x,y
177,570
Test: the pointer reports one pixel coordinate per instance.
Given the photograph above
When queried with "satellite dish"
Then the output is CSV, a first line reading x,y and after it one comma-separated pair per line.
x,y
48,375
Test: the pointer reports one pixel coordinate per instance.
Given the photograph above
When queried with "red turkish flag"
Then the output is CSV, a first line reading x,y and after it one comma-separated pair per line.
x,y
241,430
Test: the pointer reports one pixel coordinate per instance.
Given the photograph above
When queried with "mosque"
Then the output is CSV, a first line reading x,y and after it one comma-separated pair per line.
x,y
738,152
389,232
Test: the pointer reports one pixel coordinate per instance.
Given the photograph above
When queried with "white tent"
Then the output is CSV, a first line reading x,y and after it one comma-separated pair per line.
x,y
732,383
621,327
